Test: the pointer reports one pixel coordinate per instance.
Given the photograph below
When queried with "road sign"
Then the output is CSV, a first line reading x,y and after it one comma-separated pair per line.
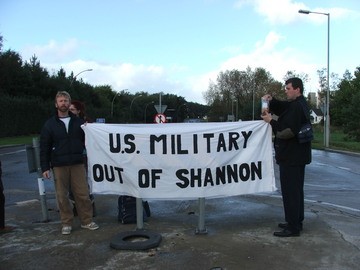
x,y
100,120
160,118
160,109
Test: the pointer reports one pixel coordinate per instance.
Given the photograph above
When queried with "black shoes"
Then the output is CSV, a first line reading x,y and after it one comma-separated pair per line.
x,y
286,233
286,226
283,225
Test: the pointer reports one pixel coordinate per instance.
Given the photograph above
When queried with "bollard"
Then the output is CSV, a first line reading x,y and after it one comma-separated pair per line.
x,y
36,146
201,224
42,194
139,214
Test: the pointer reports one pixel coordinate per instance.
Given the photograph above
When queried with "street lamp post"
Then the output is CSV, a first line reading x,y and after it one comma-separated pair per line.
x,y
253,104
112,102
152,102
327,113
73,79
232,110
132,104
237,110
177,112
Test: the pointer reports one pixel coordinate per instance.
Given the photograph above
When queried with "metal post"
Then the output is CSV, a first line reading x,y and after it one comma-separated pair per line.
x,y
160,105
237,110
73,79
324,111
201,229
232,110
327,112
132,104
42,193
327,139
139,214
112,102
253,104
152,102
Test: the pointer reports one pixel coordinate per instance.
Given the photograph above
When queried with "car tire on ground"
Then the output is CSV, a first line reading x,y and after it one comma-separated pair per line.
x,y
124,241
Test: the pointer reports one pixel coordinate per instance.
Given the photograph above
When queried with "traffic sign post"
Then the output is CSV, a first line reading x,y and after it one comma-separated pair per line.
x,y
160,108
160,118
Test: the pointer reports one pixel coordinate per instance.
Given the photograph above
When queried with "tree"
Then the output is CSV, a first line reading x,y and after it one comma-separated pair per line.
x,y
343,96
28,87
243,87
346,104
352,126
12,75
291,73
38,78
213,98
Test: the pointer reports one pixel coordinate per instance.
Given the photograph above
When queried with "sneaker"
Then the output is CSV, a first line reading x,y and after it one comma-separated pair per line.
x,y
66,230
91,226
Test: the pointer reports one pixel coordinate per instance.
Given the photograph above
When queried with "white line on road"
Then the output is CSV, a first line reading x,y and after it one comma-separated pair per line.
x,y
26,202
311,185
344,168
15,152
329,204
340,206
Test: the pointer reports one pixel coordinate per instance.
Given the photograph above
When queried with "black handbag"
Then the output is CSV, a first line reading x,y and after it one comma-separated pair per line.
x,y
305,134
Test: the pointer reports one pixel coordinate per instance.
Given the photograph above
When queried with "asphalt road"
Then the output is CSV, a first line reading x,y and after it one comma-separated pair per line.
x,y
334,178
239,228
19,184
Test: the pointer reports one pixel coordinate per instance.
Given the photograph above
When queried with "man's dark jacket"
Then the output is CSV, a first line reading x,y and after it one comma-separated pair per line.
x,y
288,151
59,147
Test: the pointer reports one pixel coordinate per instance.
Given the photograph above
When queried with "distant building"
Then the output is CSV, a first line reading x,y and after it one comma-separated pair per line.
x,y
312,99
316,116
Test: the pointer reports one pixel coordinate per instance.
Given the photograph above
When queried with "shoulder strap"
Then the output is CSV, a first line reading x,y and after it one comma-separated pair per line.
x,y
305,109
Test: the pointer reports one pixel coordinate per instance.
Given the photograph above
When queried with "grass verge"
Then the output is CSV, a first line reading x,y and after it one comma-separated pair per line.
x,y
17,140
338,140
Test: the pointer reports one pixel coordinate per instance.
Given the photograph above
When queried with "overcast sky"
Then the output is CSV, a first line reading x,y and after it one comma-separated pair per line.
x,y
178,46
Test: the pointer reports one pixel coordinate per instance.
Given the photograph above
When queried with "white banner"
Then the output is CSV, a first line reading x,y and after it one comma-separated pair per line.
x,y
180,160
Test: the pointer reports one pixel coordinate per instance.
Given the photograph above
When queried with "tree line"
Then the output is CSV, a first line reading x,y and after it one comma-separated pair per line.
x,y
244,89
28,90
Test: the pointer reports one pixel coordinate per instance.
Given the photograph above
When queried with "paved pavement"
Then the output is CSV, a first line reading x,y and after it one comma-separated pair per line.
x,y
239,236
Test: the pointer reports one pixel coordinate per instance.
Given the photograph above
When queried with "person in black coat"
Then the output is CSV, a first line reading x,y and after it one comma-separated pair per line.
x,y
290,154
62,150
3,228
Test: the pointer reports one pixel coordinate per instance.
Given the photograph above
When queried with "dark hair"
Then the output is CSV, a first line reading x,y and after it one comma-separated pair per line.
x,y
296,83
80,107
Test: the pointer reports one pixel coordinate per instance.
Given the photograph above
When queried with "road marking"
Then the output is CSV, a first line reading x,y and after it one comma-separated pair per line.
x,y
325,203
27,202
337,167
320,164
315,185
342,207
344,168
15,152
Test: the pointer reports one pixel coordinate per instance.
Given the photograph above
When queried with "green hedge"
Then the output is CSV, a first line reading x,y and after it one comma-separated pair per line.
x,y
24,115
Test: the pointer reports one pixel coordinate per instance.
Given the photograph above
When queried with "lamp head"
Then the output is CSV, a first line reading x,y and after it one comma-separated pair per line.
x,y
304,11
